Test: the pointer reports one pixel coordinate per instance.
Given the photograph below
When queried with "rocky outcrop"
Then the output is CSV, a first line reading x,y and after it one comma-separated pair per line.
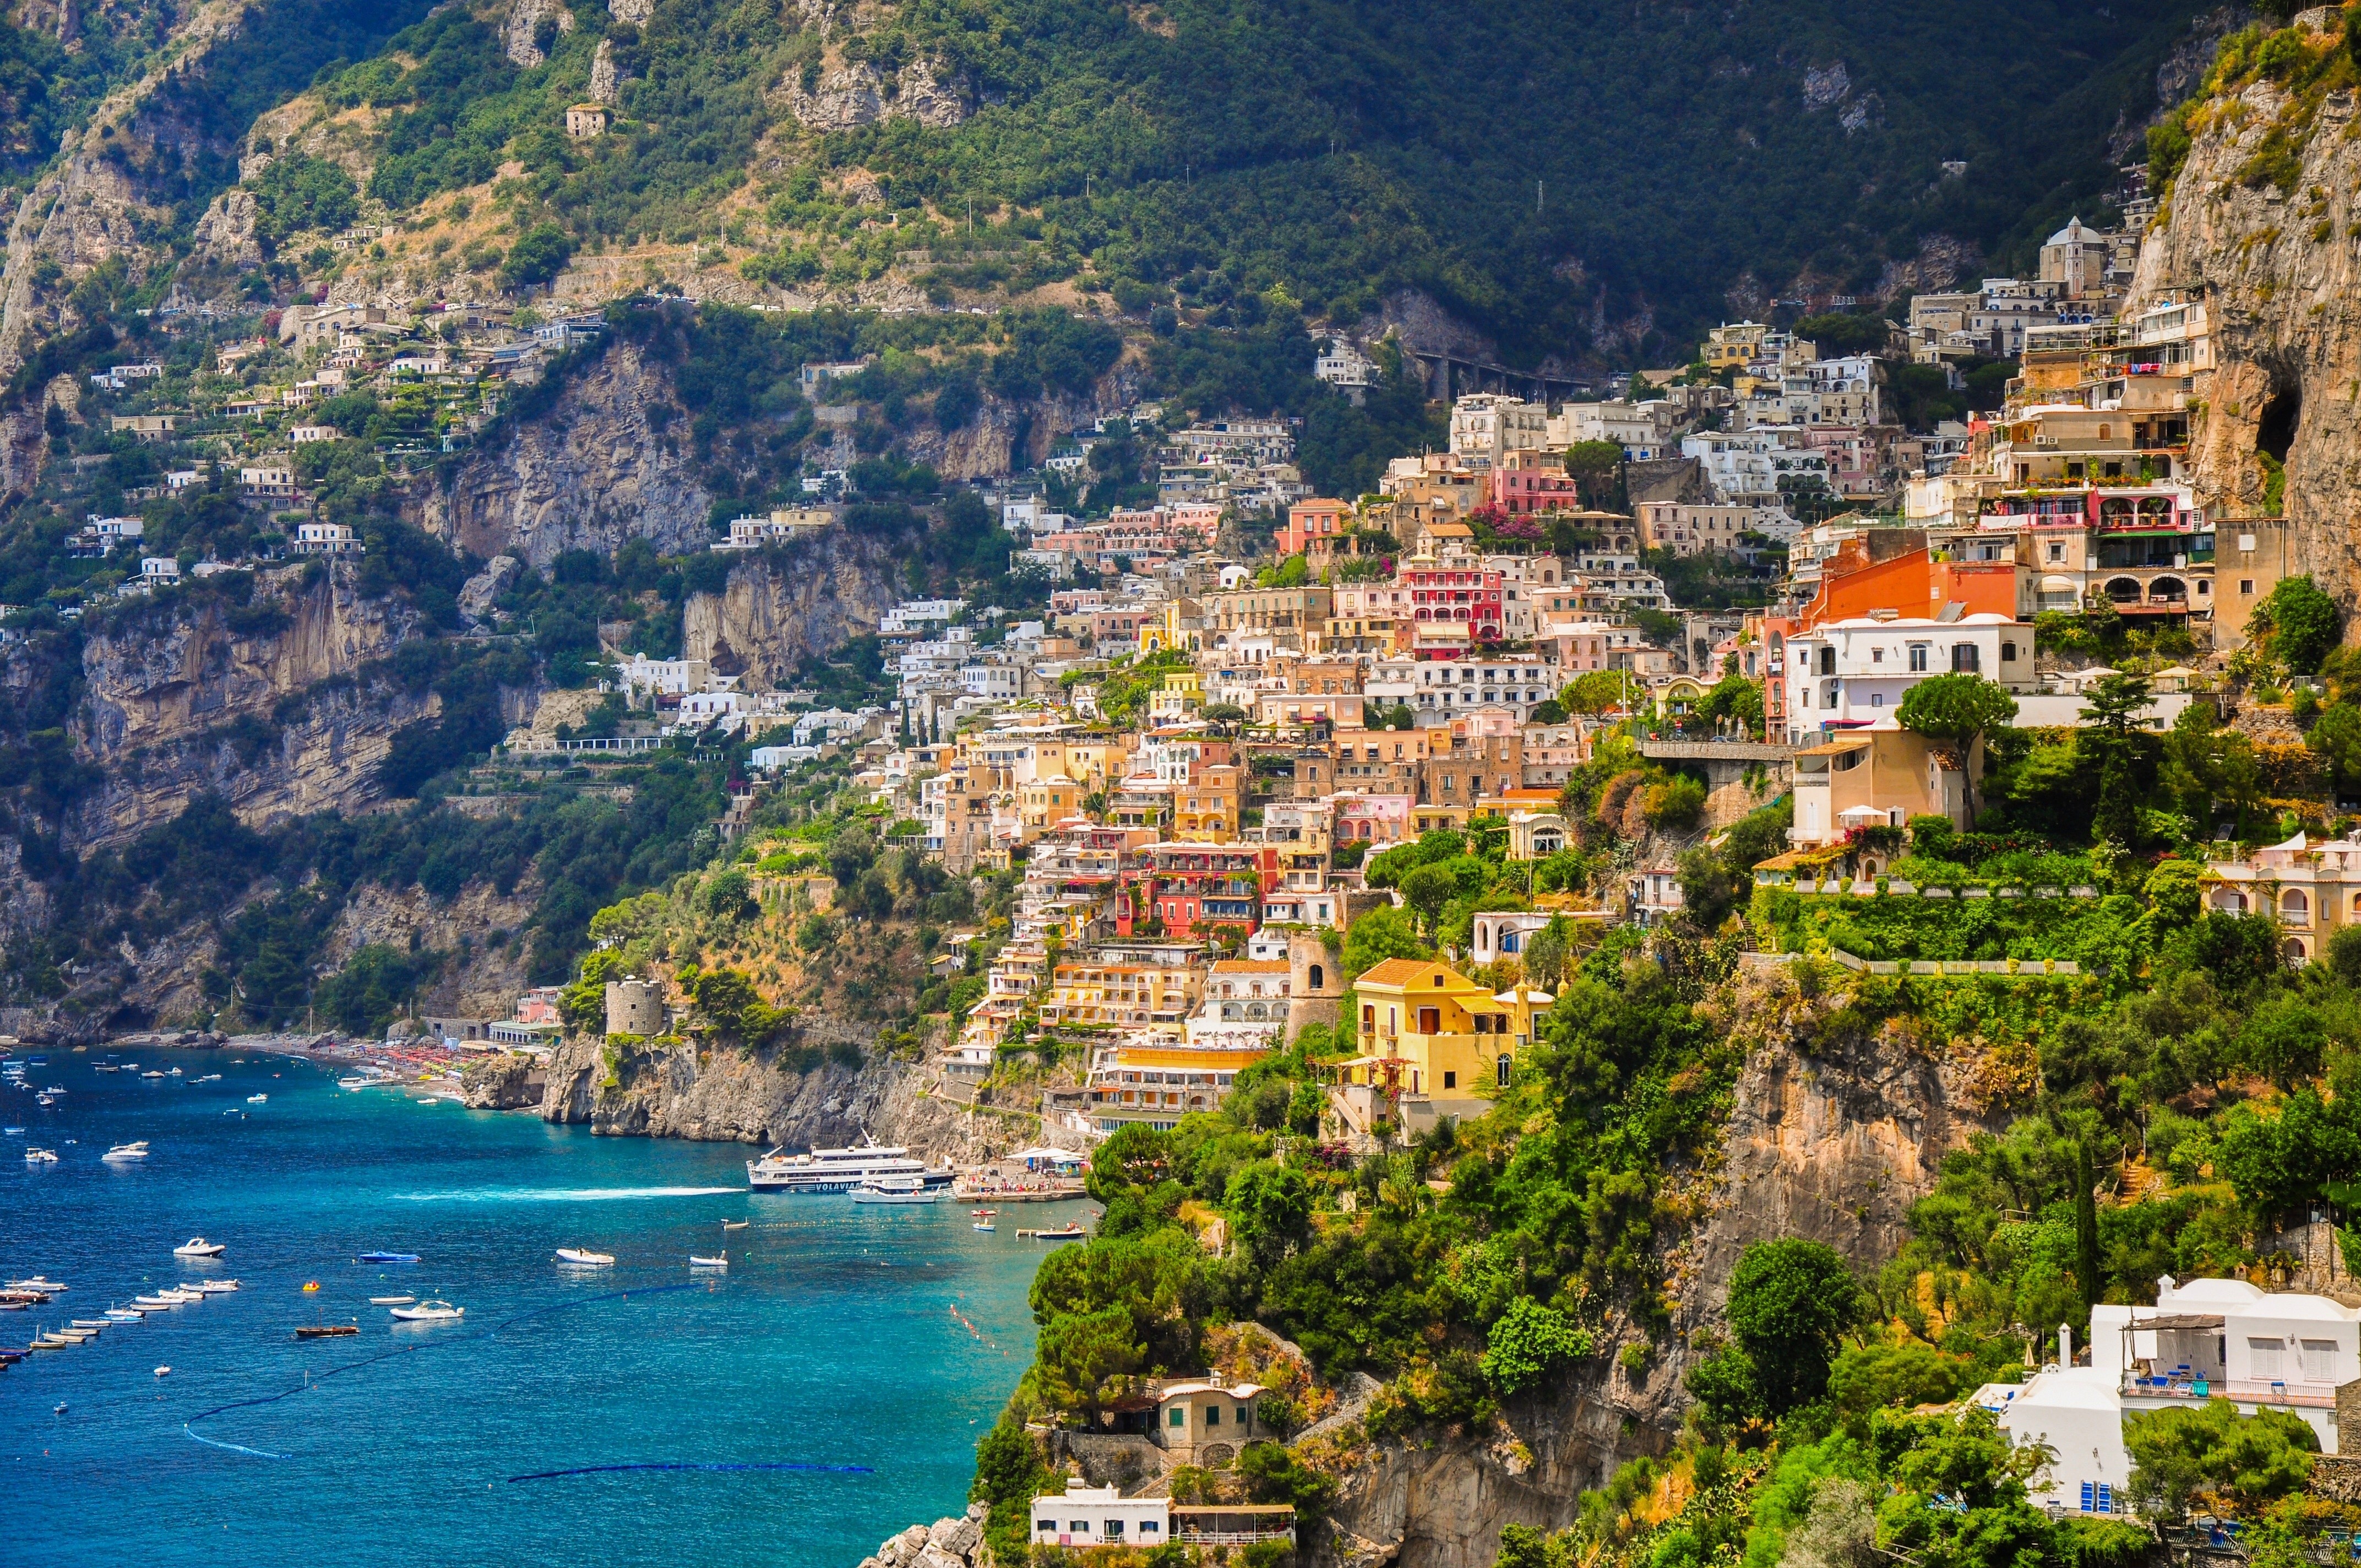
x,y
858,93
511,1081
2259,222
594,471
953,1542
784,607
722,1095
528,23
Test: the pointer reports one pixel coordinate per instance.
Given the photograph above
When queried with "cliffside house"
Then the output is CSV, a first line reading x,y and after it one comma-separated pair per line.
x,y
2206,1339
1433,1040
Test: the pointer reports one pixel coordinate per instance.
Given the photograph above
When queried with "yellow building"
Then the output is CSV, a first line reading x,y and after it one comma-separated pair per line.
x,y
1427,1030
1045,802
1130,996
1183,694
1206,806
1160,1084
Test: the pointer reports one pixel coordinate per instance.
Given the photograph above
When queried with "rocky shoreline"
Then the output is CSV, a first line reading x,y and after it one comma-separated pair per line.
x,y
956,1541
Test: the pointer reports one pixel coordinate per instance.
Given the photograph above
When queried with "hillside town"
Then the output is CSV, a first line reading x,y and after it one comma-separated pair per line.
x,y
1188,770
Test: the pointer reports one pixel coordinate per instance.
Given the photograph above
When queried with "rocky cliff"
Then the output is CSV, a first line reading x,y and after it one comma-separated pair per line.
x,y
266,705
784,606
763,1098
1832,1134
593,471
2262,222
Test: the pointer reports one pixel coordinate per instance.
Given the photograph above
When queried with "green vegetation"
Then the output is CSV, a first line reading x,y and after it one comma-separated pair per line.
x,y
1115,148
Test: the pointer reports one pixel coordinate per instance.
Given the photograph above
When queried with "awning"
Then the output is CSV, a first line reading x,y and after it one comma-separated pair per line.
x,y
2177,1320
2060,585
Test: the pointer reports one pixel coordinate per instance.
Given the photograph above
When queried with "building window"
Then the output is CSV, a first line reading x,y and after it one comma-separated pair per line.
x,y
1917,656
1503,1068
1449,1081
1213,1415
2246,587
2264,1354
1966,659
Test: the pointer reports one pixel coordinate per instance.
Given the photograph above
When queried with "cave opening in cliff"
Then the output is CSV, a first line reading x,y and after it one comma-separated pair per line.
x,y
2275,430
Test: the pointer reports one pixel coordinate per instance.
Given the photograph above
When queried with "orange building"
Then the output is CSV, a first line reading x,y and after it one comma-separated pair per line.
x,y
1313,528
1913,584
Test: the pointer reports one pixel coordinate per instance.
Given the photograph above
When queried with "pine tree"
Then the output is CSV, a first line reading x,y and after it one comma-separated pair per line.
x,y
2086,1230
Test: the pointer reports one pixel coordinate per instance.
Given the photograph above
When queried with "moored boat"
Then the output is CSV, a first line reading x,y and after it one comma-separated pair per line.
x,y
327,1331
197,1247
838,1170
387,1258
122,1153
430,1312
394,1300
40,1156
697,1262
587,1259
895,1190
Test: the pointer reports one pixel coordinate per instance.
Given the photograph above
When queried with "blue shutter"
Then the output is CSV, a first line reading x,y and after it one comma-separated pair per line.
x,y
2088,1497
2106,1498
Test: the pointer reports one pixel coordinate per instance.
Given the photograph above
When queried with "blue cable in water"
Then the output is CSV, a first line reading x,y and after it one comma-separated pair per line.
x,y
610,1469
409,1350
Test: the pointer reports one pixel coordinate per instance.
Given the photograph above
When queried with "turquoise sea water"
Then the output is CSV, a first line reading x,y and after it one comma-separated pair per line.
x,y
871,1344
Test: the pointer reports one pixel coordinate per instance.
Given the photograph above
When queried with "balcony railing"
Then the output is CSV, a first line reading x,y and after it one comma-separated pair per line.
x,y
2242,1390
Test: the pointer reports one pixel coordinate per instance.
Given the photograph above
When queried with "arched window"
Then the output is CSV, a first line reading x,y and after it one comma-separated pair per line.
x,y
2295,906
2295,951
1503,1068
1319,978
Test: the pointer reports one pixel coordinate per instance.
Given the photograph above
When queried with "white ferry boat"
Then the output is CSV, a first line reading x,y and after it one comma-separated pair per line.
x,y
839,1170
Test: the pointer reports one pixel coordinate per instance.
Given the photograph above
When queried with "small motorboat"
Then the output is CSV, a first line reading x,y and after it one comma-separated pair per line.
x,y
93,1323
1069,1232
430,1312
13,1131
40,1156
183,1293
697,1262
209,1078
197,1247
44,1100
214,1286
586,1259
172,1072
156,1302
125,1154
163,1372
124,1315
735,1224
327,1331
151,1075
11,1304
309,1286
51,1342
257,1099
387,1258
394,1300
77,1337
985,1226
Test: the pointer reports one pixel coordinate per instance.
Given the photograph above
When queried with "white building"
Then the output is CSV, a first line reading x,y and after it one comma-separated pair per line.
x,y
1100,1516
1486,425
158,571
1454,688
326,538
1847,673
1644,429
1757,467
770,759
2205,1339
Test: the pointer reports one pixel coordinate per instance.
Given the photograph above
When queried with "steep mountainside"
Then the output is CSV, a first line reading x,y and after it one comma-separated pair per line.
x,y
2261,221
1637,169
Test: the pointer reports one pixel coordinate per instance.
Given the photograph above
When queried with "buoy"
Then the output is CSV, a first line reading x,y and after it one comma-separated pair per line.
x,y
59,1411
163,1372
312,1284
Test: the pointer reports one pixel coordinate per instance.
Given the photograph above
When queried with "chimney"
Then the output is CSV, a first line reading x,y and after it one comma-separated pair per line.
x,y
2065,1346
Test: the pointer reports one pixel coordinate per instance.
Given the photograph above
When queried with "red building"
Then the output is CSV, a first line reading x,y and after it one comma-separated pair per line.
x,y
1194,887
1454,592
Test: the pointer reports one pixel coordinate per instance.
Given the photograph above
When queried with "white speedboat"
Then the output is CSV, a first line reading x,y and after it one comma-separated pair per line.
x,y
430,1312
144,1075
126,1314
587,1259
40,1156
197,1247
159,1300
355,1082
39,1282
394,1300
838,1170
209,1078
895,1190
257,1100
697,1262
172,1072
214,1286
125,1154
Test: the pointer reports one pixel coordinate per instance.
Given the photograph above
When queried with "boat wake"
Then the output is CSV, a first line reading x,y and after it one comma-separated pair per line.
x,y
565,1194
720,1467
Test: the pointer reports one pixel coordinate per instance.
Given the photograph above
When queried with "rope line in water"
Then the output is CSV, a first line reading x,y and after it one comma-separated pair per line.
x,y
611,1469
443,1343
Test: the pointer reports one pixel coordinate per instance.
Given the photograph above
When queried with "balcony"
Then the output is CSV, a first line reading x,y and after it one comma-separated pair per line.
x,y
2240,1390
